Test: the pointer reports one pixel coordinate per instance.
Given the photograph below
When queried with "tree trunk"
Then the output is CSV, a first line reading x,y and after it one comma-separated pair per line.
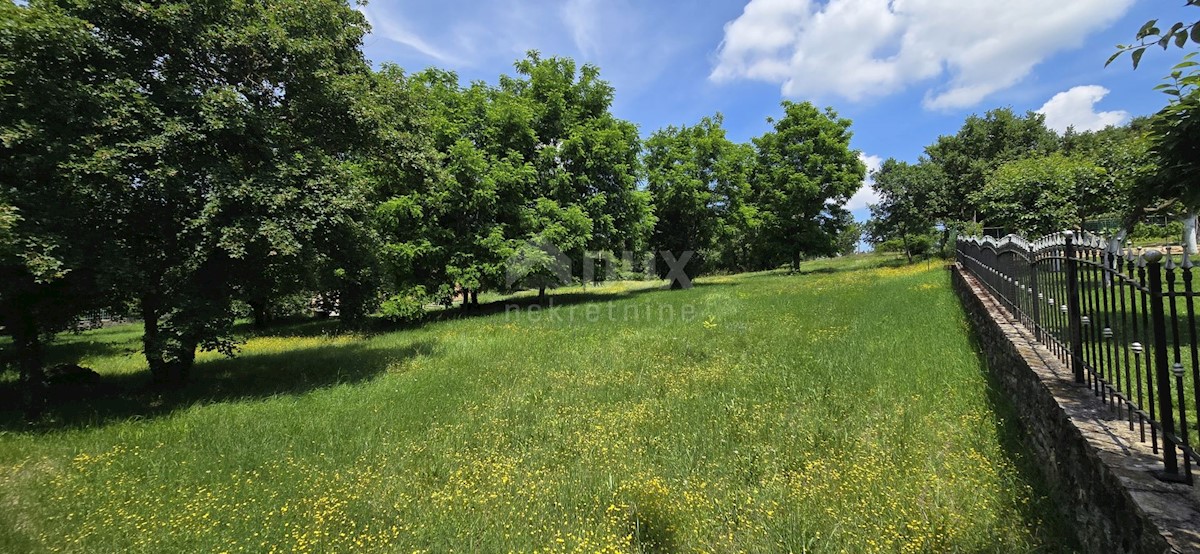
x,y
907,249
185,359
796,261
152,343
262,315
475,298
28,343
1189,232
542,293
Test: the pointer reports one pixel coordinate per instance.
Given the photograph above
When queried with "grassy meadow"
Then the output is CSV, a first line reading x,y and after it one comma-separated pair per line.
x,y
843,409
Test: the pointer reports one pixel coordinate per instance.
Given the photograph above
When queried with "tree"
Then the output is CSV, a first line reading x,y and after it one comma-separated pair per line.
x,y
1038,196
1173,132
554,230
699,183
226,154
535,159
982,144
1123,154
1175,139
56,213
848,239
583,155
805,173
907,203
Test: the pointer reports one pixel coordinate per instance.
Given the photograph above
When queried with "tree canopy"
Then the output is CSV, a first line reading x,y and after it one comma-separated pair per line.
x,y
193,163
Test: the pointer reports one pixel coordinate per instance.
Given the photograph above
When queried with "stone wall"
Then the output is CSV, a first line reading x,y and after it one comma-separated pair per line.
x,y
1098,470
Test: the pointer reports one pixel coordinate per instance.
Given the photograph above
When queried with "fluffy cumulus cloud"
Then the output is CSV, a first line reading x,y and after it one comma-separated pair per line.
x,y
866,194
1077,108
863,48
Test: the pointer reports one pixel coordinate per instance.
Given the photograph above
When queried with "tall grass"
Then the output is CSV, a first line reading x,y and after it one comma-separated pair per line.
x,y
824,412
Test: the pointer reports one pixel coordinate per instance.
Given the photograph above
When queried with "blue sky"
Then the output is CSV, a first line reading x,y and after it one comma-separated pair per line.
x,y
905,71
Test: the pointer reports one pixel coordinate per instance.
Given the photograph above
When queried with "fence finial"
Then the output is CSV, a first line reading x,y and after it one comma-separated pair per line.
x,y
1152,256
1187,259
1114,245
1170,259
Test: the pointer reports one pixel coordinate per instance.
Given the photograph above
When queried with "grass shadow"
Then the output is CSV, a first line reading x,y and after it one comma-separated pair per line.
x,y
1050,521
249,376
595,296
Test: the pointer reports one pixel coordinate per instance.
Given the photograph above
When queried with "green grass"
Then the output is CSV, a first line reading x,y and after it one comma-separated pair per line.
x,y
829,411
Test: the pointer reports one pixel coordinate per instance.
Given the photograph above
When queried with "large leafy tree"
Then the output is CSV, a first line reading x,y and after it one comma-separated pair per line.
x,y
1037,196
57,214
224,153
1124,156
583,155
982,144
699,182
805,173
1173,131
1175,136
908,200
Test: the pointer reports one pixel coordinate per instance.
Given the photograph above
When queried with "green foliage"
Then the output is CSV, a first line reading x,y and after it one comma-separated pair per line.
x,y
983,144
405,307
911,245
1124,154
909,197
202,147
1150,34
847,240
1175,135
699,181
1168,233
1173,130
805,173
536,160
1037,196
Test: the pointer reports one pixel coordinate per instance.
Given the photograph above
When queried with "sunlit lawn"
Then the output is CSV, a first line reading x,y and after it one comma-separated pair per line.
x,y
835,410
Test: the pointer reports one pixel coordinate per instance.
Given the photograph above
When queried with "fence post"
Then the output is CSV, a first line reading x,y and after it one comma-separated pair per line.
x,y
1035,295
1162,368
1076,334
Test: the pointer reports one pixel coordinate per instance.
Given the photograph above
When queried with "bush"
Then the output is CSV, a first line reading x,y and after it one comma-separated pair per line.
x,y
1172,231
919,245
405,307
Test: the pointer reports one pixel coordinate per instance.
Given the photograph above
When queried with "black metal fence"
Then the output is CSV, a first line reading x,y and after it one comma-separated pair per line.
x,y
1123,320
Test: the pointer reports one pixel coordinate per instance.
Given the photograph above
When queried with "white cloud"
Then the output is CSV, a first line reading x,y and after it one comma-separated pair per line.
x,y
1076,108
392,28
632,42
866,48
866,194
580,17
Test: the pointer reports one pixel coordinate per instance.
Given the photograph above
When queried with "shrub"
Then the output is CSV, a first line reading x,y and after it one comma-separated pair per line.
x,y
405,307
1172,230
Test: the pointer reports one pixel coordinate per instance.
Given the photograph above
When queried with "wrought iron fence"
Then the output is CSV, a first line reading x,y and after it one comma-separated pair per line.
x,y
1123,320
